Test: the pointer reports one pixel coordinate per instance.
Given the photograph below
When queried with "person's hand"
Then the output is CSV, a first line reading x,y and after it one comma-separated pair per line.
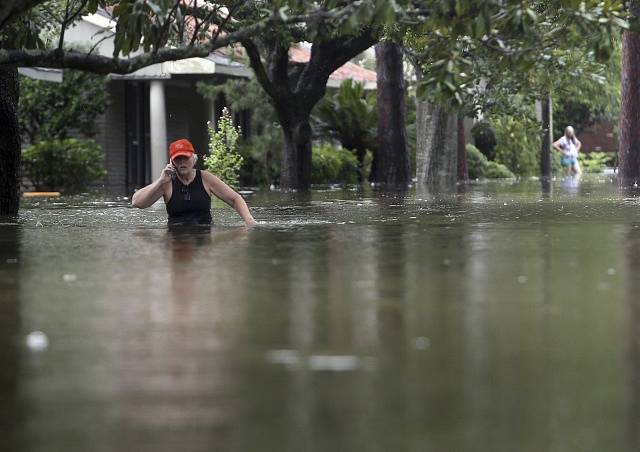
x,y
167,172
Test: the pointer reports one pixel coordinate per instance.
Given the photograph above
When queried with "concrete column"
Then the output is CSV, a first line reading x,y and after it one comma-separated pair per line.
x,y
211,111
158,128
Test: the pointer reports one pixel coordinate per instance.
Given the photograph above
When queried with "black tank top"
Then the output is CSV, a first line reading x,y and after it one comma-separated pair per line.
x,y
189,204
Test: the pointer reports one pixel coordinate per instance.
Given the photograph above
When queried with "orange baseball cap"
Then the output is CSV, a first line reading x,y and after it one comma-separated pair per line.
x,y
181,147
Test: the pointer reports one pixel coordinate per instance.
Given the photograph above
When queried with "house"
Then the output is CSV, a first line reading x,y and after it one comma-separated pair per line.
x,y
158,104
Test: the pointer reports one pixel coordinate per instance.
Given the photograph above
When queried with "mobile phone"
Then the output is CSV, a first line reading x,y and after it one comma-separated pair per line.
x,y
173,173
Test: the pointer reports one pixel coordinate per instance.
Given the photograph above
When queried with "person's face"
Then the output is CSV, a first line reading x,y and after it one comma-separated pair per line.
x,y
183,164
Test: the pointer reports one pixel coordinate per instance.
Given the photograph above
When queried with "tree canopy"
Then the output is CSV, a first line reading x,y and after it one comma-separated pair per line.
x,y
513,46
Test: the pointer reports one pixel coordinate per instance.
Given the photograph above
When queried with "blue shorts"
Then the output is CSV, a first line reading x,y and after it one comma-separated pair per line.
x,y
569,161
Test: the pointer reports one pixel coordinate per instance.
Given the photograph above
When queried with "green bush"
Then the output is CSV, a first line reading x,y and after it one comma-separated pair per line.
x,y
332,165
261,152
495,170
261,155
518,144
51,111
476,162
596,162
479,167
484,138
68,165
349,115
223,159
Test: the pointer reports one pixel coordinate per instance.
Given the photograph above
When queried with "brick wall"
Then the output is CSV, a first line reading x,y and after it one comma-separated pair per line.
x,y
600,137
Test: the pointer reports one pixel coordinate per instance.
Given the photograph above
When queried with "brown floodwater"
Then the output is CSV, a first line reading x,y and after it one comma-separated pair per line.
x,y
499,319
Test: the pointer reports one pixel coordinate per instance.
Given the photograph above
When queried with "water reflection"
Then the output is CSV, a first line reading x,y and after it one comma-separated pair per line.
x,y
570,185
491,320
11,413
631,247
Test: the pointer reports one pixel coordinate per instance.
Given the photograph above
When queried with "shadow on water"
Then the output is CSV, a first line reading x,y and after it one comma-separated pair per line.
x,y
546,187
631,244
10,344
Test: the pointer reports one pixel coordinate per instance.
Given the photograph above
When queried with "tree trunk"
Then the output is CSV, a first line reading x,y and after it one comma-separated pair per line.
x,y
296,158
629,149
547,130
391,156
436,147
463,174
9,141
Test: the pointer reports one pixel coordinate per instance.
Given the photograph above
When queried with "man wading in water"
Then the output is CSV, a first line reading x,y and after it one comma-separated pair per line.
x,y
187,191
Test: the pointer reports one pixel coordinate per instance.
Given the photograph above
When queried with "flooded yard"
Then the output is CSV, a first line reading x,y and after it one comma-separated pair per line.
x,y
499,319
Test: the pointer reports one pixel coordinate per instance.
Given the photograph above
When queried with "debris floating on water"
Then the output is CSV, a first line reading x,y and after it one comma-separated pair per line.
x,y
522,279
611,271
37,341
293,359
69,277
421,343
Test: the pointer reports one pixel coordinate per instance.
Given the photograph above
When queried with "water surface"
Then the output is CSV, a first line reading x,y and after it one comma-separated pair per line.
x,y
500,319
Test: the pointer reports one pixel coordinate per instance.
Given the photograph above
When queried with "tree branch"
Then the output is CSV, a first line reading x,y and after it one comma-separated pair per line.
x,y
278,66
167,25
327,56
258,68
54,58
12,9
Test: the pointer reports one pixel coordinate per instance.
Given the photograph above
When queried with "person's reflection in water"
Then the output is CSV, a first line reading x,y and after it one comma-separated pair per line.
x,y
185,341
571,185
183,243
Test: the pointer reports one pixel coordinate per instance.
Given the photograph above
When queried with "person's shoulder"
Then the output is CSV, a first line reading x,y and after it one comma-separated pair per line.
x,y
207,174
208,177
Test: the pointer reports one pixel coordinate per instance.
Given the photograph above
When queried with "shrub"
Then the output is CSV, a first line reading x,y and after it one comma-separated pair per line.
x,y
517,144
68,165
484,138
223,159
476,162
495,170
596,162
480,167
261,155
50,111
333,165
261,152
349,115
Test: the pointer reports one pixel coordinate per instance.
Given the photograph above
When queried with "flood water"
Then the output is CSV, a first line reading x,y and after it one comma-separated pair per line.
x,y
500,319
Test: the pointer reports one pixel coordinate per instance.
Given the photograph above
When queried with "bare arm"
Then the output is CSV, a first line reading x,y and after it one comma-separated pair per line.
x,y
578,145
146,196
228,195
556,145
